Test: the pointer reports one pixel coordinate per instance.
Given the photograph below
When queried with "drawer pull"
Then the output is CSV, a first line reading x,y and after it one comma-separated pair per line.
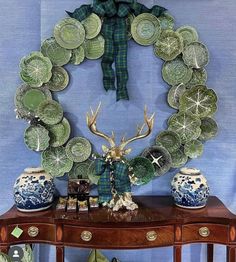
x,y
86,236
151,236
204,231
33,231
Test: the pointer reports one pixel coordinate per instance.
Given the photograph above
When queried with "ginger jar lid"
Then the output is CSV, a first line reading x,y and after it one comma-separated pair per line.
x,y
190,171
30,170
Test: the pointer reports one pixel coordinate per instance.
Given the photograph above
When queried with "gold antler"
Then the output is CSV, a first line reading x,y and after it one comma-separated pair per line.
x,y
149,122
91,123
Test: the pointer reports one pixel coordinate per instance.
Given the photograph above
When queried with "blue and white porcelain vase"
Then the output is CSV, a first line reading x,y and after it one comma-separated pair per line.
x,y
189,188
34,190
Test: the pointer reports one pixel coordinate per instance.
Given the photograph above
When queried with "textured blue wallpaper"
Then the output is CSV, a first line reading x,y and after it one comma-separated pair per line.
x,y
24,24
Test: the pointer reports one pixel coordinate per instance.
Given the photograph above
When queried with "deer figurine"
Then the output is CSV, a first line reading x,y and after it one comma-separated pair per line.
x,y
114,186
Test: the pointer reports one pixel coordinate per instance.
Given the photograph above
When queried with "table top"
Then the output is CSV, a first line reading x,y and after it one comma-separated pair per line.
x,y
153,210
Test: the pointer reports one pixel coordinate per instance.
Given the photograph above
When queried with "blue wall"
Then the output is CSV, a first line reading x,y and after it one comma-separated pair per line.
x,y
24,24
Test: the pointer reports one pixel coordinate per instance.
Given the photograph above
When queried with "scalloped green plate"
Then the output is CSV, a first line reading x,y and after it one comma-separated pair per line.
x,y
188,33
59,80
27,99
78,149
36,138
58,55
169,140
199,77
55,161
35,69
145,29
199,101
169,45
176,72
196,55
166,21
174,95
94,48
193,149
186,126
92,25
69,33
93,178
209,128
59,133
80,170
179,159
78,55
50,112
143,170
159,157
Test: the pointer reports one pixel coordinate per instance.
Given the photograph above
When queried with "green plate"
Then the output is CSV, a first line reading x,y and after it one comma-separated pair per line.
x,y
188,33
169,45
129,21
186,126
59,133
199,101
169,140
174,95
36,138
145,29
176,72
50,112
58,55
94,48
199,77
35,69
69,33
59,80
209,128
143,170
179,159
27,99
92,25
166,21
55,161
78,149
78,56
4,257
196,55
193,149
159,157
93,178
80,170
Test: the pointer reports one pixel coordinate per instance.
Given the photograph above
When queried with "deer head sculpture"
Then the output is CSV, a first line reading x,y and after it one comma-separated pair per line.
x,y
117,152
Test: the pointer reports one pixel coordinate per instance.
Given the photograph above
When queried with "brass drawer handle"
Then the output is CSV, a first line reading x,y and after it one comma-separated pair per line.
x,y
204,231
151,236
33,231
86,236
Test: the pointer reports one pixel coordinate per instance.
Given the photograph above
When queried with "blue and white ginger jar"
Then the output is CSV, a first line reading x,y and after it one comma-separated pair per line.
x,y
189,188
34,190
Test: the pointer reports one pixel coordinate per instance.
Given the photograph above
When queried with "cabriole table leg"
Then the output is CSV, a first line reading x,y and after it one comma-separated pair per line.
x,y
231,254
177,253
60,253
210,252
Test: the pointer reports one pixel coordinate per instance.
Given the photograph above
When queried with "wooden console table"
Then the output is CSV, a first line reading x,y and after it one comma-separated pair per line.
x,y
157,223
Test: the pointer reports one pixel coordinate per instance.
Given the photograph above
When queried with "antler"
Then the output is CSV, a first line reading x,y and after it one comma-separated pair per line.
x,y
139,135
91,123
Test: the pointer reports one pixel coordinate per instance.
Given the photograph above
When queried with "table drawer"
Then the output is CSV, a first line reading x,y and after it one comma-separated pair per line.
x,y
33,232
205,233
119,238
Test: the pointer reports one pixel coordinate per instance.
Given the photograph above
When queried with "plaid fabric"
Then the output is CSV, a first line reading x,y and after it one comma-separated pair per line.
x,y
123,10
138,9
122,181
110,8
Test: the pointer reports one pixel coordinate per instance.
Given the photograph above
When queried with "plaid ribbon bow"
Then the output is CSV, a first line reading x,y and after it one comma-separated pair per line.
x,y
108,170
114,30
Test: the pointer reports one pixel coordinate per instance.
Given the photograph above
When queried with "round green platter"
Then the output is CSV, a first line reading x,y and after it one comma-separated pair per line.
x,y
59,80
94,48
92,25
188,34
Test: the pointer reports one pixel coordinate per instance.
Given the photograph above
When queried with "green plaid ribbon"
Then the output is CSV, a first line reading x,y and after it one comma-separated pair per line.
x,y
114,30
121,179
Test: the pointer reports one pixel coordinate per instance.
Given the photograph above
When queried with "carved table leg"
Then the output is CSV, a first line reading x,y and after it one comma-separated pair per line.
x,y
60,253
177,253
210,252
4,249
231,254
